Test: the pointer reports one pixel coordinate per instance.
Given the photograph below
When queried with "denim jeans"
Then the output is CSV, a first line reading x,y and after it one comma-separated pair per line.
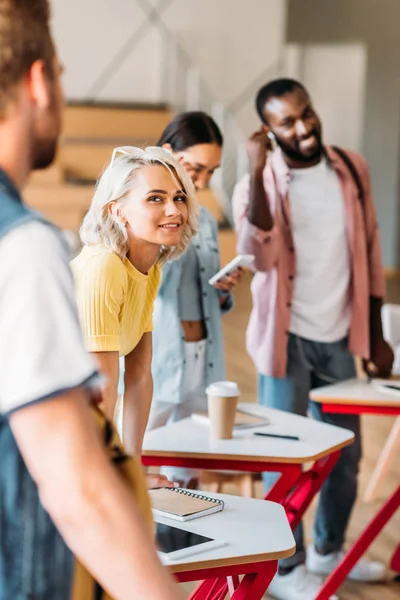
x,y
310,365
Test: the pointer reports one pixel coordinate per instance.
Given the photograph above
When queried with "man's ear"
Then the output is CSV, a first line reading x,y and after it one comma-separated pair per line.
x,y
167,147
39,84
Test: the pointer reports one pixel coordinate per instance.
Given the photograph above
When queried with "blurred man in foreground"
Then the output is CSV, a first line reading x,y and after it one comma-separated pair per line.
x,y
55,476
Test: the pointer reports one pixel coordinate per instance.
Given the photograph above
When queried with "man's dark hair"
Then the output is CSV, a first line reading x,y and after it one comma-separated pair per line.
x,y
275,89
189,129
24,38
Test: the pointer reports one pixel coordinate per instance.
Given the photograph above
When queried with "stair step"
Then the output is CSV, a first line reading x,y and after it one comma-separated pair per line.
x,y
125,124
64,205
85,161
47,177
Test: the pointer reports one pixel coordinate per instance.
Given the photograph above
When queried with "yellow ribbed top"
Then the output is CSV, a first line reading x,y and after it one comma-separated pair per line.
x,y
115,300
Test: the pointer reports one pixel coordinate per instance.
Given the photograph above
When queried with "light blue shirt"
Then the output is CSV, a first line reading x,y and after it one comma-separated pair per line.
x,y
190,304
168,341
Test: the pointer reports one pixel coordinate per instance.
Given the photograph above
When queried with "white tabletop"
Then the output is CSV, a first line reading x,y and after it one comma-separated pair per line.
x,y
187,438
357,391
253,531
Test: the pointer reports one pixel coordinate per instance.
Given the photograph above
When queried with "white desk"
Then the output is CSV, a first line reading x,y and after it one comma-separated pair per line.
x,y
257,534
356,396
187,444
254,531
358,392
191,440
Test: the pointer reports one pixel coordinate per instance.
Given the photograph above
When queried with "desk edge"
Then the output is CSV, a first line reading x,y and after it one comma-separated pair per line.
x,y
228,562
249,458
355,401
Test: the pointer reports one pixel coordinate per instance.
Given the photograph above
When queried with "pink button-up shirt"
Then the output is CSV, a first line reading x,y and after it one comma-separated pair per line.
x,y
275,263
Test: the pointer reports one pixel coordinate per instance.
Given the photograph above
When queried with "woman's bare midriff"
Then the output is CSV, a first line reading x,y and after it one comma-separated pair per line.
x,y
194,331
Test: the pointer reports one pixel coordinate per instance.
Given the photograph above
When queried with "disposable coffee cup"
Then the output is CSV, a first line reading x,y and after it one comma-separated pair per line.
x,y
222,399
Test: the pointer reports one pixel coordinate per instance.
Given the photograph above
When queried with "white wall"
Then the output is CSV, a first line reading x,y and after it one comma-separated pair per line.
x,y
375,23
327,70
232,41
90,34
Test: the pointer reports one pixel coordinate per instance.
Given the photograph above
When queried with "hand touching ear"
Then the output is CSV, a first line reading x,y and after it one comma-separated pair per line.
x,y
258,145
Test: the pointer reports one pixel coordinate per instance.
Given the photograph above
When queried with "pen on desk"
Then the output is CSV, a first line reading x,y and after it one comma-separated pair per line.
x,y
275,435
391,387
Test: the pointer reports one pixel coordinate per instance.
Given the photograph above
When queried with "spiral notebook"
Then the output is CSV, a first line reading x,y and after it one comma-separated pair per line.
x,y
183,505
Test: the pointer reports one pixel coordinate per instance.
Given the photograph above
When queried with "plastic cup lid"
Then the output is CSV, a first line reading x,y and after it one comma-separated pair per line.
x,y
226,389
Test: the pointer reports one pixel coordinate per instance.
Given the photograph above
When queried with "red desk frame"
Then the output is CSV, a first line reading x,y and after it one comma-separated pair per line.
x,y
215,584
375,526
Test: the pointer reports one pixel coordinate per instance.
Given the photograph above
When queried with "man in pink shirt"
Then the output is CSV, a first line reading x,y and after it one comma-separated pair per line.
x,y
306,212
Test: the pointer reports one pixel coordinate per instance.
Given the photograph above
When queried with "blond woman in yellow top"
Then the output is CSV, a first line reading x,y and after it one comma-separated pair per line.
x,y
143,213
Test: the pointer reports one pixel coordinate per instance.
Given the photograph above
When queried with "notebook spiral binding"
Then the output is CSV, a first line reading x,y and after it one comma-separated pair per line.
x,y
194,495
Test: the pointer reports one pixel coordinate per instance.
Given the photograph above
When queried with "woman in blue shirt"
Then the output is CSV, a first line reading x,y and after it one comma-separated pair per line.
x,y
188,351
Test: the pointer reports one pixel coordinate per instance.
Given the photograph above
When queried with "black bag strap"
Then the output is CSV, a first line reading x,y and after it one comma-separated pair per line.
x,y
354,173
357,180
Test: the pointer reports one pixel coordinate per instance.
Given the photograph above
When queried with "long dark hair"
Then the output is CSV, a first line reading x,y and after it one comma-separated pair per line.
x,y
189,129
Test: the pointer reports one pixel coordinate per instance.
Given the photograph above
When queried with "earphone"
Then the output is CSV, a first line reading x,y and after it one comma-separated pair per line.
x,y
271,136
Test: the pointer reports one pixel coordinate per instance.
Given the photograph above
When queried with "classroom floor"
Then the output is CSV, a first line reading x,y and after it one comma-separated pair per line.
x,y
375,432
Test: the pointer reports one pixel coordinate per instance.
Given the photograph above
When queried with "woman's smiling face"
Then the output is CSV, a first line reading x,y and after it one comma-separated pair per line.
x,y
155,209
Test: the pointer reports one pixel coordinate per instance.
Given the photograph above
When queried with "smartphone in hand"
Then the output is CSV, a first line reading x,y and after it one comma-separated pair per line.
x,y
242,260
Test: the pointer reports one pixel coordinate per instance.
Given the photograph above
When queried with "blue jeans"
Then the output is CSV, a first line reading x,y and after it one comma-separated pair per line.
x,y
310,365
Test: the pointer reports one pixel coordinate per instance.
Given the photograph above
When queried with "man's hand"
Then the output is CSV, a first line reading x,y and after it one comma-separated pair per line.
x,y
382,358
257,147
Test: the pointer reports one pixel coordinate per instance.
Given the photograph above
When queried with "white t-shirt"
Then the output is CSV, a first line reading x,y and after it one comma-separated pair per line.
x,y
42,353
321,296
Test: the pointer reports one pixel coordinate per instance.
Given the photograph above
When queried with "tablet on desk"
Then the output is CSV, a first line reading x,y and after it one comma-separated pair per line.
x,y
174,543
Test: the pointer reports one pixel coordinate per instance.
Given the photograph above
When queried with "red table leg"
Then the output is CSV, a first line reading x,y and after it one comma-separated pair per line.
x,y
286,482
395,562
295,490
210,589
360,546
253,585
309,484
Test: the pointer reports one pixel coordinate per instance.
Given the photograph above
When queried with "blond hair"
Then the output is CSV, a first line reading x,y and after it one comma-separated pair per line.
x,y
24,38
100,227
